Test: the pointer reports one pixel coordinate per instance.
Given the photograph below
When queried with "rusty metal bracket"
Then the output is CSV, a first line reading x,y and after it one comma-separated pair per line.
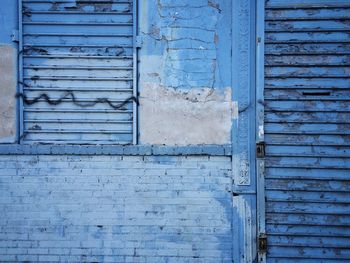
x,y
260,149
262,243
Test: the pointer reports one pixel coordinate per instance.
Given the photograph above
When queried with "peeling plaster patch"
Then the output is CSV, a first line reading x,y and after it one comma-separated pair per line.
x,y
192,40
185,72
182,117
181,29
7,94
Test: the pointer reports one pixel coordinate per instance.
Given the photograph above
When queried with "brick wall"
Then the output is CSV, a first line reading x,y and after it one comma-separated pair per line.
x,y
115,208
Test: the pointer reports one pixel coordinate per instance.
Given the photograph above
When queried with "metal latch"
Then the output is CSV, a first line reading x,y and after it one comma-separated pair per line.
x,y
260,149
138,42
15,36
262,243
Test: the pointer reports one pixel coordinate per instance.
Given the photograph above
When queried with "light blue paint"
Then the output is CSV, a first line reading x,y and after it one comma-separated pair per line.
x,y
260,117
135,84
86,205
307,140
8,20
244,130
193,41
181,196
90,55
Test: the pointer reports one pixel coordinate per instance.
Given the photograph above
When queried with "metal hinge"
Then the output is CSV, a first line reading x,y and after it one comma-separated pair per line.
x,y
262,243
138,41
15,36
260,149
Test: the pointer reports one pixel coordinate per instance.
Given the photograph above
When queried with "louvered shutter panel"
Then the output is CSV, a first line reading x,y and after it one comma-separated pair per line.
x,y
307,95
84,48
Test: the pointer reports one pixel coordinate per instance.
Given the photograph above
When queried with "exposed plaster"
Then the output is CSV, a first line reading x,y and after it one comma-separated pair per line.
x,y
7,94
184,117
185,93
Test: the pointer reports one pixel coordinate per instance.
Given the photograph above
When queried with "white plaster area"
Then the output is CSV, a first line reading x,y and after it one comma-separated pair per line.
x,y
7,94
185,117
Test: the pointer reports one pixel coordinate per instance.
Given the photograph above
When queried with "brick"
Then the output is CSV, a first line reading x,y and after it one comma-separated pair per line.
x,y
39,251
115,208
33,258
49,258
5,257
16,251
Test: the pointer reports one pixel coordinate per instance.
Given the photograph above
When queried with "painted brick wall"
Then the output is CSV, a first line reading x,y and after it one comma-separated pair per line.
x,y
102,208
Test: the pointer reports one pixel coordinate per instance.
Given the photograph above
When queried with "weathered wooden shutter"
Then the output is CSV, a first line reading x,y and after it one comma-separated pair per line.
x,y
307,121
82,49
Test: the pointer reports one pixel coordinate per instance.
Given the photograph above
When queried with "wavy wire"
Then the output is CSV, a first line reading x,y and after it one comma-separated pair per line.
x,y
70,94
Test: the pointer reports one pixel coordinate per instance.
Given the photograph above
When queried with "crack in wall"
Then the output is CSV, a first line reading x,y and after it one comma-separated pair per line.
x,y
184,97
185,38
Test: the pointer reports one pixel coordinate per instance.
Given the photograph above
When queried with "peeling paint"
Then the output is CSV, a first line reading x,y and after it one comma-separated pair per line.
x,y
7,94
235,112
185,78
192,40
78,51
261,131
181,117
243,228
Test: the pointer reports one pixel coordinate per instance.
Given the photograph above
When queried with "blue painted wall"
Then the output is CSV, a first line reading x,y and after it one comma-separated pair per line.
x,y
307,121
140,204
76,208
185,63
198,203
8,20
193,38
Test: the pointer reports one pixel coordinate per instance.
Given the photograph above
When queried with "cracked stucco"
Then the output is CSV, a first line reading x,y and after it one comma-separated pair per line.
x,y
185,75
7,94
